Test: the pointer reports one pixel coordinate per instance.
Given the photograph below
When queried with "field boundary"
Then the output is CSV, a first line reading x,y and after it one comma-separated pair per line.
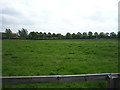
x,y
112,78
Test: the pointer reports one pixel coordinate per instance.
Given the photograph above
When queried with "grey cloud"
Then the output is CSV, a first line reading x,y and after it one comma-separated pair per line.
x,y
10,11
12,20
27,14
97,16
13,16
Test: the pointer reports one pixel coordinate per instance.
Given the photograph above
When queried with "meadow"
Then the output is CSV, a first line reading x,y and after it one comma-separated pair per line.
x,y
59,57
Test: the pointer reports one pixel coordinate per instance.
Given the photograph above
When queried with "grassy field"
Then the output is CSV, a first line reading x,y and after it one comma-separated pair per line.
x,y
59,57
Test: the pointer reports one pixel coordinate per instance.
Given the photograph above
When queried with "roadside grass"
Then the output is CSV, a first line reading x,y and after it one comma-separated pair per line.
x,y
59,57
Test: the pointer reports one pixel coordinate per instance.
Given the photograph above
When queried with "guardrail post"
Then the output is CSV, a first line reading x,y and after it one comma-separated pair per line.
x,y
113,82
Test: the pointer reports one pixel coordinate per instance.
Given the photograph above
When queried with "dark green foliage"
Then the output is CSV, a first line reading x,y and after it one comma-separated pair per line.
x,y
118,35
54,36
74,36
79,35
113,35
101,35
23,33
96,35
84,35
49,35
107,35
59,36
40,35
68,36
33,35
8,33
90,34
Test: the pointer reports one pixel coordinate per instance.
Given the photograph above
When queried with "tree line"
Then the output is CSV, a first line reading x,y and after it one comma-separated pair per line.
x,y
23,34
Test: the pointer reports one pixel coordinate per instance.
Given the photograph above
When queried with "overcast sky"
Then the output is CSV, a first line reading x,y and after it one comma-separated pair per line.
x,y
60,16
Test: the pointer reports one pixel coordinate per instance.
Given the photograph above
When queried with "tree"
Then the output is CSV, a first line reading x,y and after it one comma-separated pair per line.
x,y
53,36
101,35
68,36
44,35
90,34
59,36
74,36
118,34
23,33
40,35
84,35
49,35
36,35
96,35
8,33
32,35
79,35
113,35
107,35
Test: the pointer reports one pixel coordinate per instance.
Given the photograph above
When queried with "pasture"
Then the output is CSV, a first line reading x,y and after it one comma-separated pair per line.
x,y
59,57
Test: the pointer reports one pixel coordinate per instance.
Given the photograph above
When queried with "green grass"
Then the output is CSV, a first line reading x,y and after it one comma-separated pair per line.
x,y
59,57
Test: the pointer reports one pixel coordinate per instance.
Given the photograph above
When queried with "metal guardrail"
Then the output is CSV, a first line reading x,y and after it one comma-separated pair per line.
x,y
112,78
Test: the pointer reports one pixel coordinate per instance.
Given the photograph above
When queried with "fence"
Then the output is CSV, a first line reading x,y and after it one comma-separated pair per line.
x,y
112,78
